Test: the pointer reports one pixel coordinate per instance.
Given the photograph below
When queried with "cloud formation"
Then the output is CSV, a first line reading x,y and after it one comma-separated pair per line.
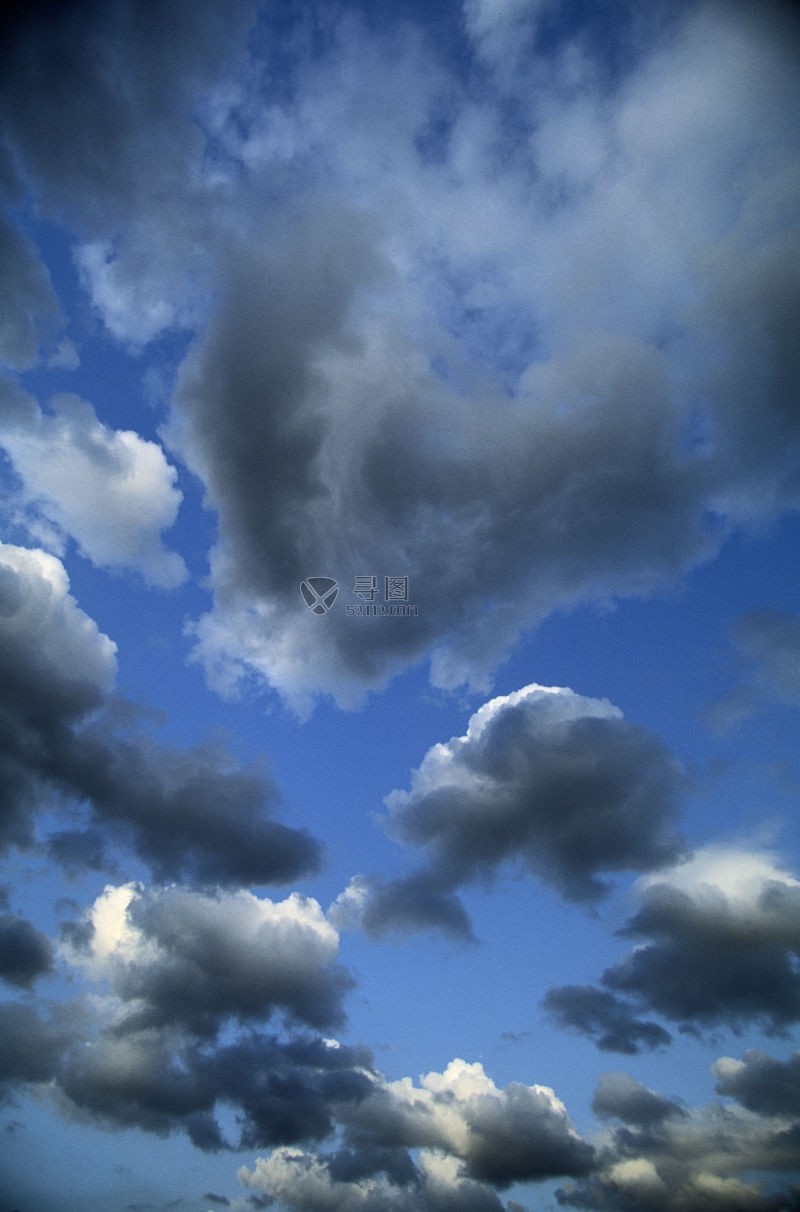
x,y
717,941
550,781
110,490
192,959
662,1157
535,361
191,813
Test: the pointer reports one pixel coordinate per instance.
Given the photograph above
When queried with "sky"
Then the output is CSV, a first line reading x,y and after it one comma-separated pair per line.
x,y
399,615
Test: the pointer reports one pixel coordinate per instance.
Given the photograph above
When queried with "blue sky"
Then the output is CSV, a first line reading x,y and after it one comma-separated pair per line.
x,y
480,892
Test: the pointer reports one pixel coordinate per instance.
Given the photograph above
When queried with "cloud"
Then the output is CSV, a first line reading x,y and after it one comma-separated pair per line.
x,y
31,1046
767,647
421,344
761,1083
576,464
607,1019
99,112
28,304
191,959
619,1096
662,1157
559,784
191,813
111,490
717,945
519,1134
473,1139
25,952
304,1181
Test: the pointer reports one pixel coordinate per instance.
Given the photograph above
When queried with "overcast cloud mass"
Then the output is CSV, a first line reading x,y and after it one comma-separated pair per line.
x,y
486,312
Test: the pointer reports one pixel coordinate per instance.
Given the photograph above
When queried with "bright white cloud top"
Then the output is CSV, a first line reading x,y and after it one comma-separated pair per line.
x,y
485,312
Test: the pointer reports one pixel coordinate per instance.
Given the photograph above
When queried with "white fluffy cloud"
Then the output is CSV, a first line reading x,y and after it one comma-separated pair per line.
x,y
110,490
41,620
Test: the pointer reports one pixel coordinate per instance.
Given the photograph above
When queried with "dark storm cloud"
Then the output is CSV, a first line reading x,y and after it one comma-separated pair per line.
x,y
188,813
25,952
761,1083
603,1017
717,942
556,783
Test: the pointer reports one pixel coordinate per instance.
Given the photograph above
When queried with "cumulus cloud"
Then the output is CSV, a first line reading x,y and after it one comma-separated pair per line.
x,y
518,1134
420,346
761,1083
576,464
307,1182
176,956
557,783
661,1157
191,812
717,940
110,490
473,1137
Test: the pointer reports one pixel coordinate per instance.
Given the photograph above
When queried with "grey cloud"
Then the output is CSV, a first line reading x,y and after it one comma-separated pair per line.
x,y
93,99
28,305
583,480
767,647
191,813
518,1134
602,1016
199,959
559,784
761,1083
31,1047
346,406
703,964
283,1090
664,1158
619,1096
25,952
717,941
